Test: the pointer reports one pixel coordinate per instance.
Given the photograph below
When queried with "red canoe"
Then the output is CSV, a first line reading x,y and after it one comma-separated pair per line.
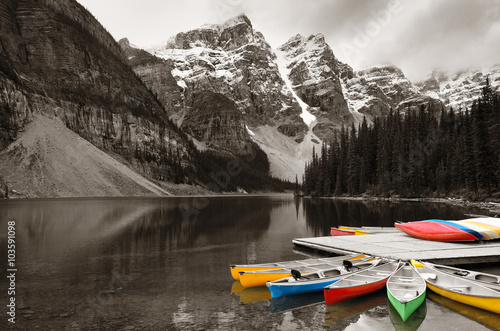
x,y
360,283
439,230
338,232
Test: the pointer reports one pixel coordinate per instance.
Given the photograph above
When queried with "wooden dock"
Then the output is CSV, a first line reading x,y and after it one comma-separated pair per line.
x,y
398,245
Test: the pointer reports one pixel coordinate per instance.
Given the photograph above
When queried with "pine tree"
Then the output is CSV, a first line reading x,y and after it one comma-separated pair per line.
x,y
384,176
483,155
467,156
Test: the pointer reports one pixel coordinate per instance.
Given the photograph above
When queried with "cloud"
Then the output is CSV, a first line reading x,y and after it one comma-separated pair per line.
x,y
417,36
449,35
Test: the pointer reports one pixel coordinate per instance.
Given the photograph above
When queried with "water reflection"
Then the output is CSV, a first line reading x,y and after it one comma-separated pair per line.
x,y
254,294
484,317
113,263
292,302
344,312
321,214
412,323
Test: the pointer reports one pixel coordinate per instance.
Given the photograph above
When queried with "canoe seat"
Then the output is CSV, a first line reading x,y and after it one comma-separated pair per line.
x,y
405,295
383,274
428,276
459,288
411,295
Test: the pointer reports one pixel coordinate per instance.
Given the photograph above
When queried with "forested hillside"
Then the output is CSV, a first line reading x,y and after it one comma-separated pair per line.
x,y
414,154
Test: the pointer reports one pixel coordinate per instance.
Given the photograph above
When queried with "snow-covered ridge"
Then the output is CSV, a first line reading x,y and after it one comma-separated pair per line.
x,y
461,89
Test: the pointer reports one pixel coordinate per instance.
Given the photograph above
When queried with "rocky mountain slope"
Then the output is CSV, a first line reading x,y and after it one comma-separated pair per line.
x,y
52,161
461,89
315,76
57,61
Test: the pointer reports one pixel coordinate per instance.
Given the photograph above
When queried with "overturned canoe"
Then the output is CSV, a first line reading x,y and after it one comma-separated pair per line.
x,y
369,229
360,283
473,229
315,281
341,232
236,269
349,230
406,290
454,287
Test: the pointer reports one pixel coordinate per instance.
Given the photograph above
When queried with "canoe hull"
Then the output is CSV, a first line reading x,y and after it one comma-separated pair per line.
x,y
435,231
490,304
340,232
235,270
406,290
335,295
405,309
470,292
278,290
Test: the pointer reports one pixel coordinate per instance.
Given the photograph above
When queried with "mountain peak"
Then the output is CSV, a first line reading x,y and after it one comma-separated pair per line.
x,y
240,19
124,42
317,37
233,33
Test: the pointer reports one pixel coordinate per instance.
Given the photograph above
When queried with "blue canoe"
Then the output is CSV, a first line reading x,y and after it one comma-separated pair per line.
x,y
315,281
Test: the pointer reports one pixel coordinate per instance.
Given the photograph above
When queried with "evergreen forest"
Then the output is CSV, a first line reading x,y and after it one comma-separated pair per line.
x,y
414,154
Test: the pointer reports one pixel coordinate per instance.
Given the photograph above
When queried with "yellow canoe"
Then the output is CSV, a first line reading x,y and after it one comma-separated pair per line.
x,y
356,231
456,288
261,277
236,269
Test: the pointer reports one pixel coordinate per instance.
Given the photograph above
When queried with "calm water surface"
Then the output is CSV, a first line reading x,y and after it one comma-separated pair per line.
x,y
163,264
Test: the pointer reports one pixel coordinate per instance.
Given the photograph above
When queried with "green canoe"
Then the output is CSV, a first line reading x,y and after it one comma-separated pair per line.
x,y
406,290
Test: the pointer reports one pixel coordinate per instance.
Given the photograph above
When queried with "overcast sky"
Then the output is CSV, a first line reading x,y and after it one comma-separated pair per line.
x,y
417,36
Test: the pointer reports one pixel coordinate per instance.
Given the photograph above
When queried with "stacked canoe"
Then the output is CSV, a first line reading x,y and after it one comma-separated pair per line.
x,y
349,230
473,229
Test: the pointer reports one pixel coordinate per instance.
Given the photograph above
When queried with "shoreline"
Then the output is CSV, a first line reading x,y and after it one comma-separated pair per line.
x,y
490,206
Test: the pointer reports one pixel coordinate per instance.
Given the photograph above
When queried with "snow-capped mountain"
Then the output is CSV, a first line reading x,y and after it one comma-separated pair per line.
x,y
459,90
291,98
337,94
235,60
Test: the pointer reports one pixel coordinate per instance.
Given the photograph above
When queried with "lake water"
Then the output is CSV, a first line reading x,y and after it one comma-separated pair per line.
x,y
163,264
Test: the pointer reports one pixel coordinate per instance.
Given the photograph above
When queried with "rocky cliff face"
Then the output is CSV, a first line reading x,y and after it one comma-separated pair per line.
x,y
56,60
373,92
234,60
315,74
338,95
156,73
217,121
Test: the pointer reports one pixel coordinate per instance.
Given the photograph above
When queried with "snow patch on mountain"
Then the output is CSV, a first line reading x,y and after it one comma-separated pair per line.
x,y
354,104
281,63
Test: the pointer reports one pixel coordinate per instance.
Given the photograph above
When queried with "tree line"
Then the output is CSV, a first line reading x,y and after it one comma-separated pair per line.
x,y
414,154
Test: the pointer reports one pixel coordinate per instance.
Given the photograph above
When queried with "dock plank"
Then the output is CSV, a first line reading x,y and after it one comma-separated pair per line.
x,y
401,246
